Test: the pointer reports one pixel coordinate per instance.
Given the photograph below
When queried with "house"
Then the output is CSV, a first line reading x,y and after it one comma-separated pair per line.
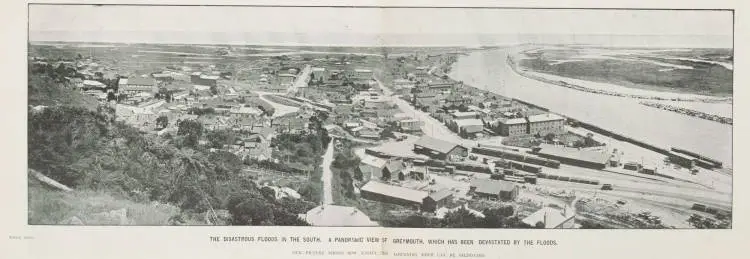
x,y
552,218
436,200
372,167
137,85
493,189
382,192
337,216
594,159
319,73
439,149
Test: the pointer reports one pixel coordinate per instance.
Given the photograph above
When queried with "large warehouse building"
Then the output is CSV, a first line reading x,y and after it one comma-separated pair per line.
x,y
439,149
377,191
573,156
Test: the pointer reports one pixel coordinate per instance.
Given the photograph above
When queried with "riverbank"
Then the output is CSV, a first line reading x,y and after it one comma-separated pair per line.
x,y
661,96
490,70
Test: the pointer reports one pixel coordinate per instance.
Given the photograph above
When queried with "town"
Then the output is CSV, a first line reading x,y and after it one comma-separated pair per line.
x,y
389,138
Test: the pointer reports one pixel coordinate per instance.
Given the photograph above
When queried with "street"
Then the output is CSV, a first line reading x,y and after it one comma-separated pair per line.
x,y
327,176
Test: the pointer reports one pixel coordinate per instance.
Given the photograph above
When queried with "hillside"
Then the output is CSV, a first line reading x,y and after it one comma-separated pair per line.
x,y
112,167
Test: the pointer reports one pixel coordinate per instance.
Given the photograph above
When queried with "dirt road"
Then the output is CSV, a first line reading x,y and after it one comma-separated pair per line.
x,y
327,176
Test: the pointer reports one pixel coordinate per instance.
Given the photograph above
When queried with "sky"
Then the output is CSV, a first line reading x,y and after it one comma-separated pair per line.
x,y
374,26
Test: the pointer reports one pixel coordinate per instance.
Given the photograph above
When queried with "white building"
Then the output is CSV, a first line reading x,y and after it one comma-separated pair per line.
x,y
337,216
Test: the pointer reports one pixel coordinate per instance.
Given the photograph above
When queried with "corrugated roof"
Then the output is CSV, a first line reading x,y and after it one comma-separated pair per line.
x,y
435,144
439,195
395,191
374,161
469,122
574,153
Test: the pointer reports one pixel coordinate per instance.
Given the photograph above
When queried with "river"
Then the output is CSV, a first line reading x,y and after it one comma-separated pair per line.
x,y
489,70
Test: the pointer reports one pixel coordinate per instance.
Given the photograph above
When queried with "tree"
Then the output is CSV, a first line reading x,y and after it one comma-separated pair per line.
x,y
549,137
192,130
214,90
539,225
162,121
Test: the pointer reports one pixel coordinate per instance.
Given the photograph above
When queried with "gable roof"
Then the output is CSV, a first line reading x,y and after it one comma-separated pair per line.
x,y
441,146
395,191
374,161
394,166
440,195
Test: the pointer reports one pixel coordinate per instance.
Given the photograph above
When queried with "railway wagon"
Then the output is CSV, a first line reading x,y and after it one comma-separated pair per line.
x,y
516,156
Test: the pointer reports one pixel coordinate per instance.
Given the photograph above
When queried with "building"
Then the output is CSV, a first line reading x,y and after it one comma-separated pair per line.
x,y
286,79
377,191
437,200
510,127
543,124
552,218
137,85
403,83
318,73
682,160
362,74
410,125
372,167
439,149
493,189
464,115
92,84
469,127
593,159
337,216
200,79
244,112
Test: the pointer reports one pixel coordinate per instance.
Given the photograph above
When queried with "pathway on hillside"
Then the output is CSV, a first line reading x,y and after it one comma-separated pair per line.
x,y
327,176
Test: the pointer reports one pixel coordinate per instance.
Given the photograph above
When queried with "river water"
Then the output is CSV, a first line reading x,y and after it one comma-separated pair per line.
x,y
489,70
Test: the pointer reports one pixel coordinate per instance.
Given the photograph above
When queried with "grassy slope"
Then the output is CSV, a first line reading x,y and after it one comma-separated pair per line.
x,y
48,206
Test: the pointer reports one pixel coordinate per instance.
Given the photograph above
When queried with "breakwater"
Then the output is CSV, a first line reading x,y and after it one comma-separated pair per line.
x,y
689,112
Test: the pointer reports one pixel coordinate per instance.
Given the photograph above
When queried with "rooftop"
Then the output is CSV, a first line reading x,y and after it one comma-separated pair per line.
x,y
395,191
374,161
439,195
592,156
435,144
337,216
469,122
551,217
513,121
544,117
140,81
